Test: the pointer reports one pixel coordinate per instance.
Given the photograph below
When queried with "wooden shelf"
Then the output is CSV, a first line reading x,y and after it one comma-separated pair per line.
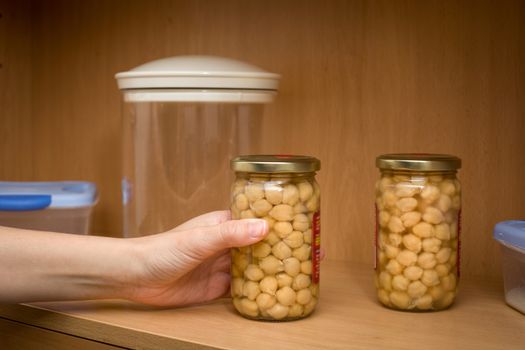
x,y
348,317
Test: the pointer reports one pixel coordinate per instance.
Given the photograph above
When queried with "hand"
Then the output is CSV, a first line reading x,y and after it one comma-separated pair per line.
x,y
191,263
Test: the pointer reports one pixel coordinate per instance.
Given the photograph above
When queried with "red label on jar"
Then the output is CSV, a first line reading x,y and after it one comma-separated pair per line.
x,y
316,246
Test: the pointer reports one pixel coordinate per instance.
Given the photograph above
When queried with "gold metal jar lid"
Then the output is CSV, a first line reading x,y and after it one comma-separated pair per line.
x,y
418,162
275,164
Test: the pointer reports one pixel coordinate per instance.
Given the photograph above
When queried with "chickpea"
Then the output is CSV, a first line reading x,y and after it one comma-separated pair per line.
x,y
254,191
446,300
383,296
304,296
395,224
405,189
384,183
411,218
412,242
237,287
247,214
443,255
237,304
406,204
238,187
423,230
282,212
430,194
284,280
306,267
305,190
315,289
286,296
278,311
302,253
395,239
444,203
400,299
273,193
426,260
389,199
416,289
294,239
253,273
240,260
313,204
261,207
265,301
308,308
431,245
447,187
394,267
261,250
383,218
251,290
283,228
301,222
249,307
270,221
449,282
307,236
281,251
292,266
290,195
385,280
433,215
437,292
241,201
413,273
430,278
391,252
271,238
442,231
406,258
295,310
442,270
424,302
300,208
400,282
268,285
271,265
301,281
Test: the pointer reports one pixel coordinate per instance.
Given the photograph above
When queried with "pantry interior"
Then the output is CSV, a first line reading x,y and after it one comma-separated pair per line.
x,y
359,79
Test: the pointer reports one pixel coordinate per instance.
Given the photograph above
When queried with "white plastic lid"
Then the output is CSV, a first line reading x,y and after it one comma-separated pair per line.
x,y
198,78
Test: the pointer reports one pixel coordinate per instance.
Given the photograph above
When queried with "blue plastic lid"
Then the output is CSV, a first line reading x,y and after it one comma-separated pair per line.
x,y
17,196
511,233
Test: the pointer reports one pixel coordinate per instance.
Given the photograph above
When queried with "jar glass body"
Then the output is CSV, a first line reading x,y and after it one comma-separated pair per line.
x,y
417,239
175,158
277,279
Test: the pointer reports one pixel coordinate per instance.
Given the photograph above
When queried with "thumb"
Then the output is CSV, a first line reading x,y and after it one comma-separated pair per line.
x,y
206,241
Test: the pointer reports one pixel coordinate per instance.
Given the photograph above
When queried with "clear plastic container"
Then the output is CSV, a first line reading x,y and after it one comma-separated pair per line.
x,y
418,210
184,118
511,236
277,279
48,206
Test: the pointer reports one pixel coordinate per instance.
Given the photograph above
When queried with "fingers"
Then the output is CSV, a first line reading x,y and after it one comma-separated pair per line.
x,y
208,219
203,242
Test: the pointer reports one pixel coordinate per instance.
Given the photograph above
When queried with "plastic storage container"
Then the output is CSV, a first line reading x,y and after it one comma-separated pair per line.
x,y
184,118
277,279
47,206
511,236
418,210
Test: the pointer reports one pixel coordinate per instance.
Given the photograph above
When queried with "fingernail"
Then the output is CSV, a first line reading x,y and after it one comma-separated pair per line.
x,y
257,229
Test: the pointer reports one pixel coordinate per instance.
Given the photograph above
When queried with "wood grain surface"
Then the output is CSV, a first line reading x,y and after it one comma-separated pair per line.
x,y
348,317
359,78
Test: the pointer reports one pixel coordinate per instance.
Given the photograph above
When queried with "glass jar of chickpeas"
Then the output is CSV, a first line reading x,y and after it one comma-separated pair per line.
x,y
418,211
277,279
